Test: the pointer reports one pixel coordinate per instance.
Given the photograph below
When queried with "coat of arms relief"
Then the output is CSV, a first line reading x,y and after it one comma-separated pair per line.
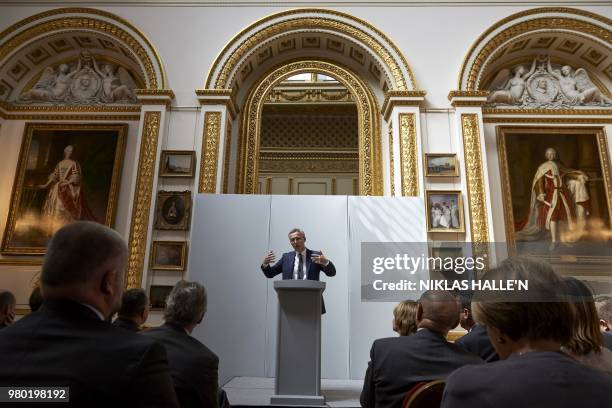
x,y
544,85
82,83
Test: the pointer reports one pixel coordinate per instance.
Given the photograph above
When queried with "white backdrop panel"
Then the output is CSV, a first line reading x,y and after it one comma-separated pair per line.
x,y
229,235
232,233
376,219
323,219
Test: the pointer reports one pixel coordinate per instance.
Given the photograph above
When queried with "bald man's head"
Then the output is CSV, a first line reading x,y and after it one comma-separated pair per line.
x,y
438,311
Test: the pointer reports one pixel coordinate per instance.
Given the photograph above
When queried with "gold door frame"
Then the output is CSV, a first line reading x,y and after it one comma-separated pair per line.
x,y
370,168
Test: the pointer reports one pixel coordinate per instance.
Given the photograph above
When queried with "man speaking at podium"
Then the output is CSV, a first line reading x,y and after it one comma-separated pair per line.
x,y
302,263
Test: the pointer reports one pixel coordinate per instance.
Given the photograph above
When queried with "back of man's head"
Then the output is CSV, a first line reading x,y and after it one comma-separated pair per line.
x,y
438,311
7,306
604,310
77,250
133,303
85,261
186,304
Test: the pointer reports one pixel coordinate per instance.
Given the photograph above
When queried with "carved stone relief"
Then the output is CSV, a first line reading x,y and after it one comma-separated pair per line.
x,y
545,86
83,84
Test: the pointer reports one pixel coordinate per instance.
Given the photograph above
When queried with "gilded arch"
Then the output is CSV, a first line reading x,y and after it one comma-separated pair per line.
x,y
550,19
370,171
222,72
47,23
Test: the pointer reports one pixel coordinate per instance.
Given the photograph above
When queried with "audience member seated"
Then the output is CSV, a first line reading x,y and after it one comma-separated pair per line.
x,y
7,308
604,310
35,301
586,344
193,366
476,340
69,342
399,363
404,317
134,310
528,338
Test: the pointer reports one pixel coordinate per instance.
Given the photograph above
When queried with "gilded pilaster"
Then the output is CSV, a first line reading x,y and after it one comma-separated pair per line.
x,y
142,198
210,152
477,200
391,161
408,154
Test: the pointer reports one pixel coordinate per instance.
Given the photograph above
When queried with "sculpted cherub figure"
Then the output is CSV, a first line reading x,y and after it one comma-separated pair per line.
x,y
577,87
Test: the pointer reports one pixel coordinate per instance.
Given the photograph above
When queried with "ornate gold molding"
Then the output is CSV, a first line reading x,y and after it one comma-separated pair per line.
x,y
226,156
391,160
310,23
369,138
395,98
467,94
574,120
408,154
559,23
210,152
142,198
21,262
9,107
85,23
218,97
169,93
474,174
54,117
559,112
541,10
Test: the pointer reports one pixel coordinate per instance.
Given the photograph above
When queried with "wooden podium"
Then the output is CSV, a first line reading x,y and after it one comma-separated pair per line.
x,y
298,343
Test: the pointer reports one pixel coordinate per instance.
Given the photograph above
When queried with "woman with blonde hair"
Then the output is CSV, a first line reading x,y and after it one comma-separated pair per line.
x,y
586,344
404,318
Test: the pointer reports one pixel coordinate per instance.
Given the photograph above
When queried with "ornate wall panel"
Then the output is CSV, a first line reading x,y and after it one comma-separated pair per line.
x,y
408,154
210,152
474,172
137,241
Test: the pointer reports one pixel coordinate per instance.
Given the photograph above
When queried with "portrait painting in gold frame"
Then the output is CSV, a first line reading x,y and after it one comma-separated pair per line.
x,y
65,173
556,190
444,211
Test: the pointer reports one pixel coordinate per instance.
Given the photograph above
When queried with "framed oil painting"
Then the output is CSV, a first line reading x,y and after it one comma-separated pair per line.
x,y
158,295
444,211
65,173
556,188
177,163
169,255
441,165
173,210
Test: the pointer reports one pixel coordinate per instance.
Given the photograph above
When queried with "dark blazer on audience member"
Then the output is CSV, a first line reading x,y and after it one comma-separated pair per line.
x,y
607,336
126,324
313,269
399,363
193,366
477,342
66,344
535,379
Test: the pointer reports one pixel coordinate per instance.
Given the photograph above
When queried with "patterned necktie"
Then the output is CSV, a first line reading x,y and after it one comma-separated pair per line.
x,y
300,266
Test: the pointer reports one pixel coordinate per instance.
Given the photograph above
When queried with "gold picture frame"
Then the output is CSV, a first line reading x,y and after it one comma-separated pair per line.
x,y
441,169
168,255
65,172
173,210
444,210
578,150
173,162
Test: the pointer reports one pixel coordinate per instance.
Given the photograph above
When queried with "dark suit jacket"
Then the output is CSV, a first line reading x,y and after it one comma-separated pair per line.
x,y
285,266
607,336
536,379
193,366
477,342
66,344
126,324
399,363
